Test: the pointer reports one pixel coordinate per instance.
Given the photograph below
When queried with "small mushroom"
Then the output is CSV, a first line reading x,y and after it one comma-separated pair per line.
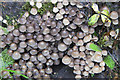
x,y
104,52
66,21
87,38
113,15
38,5
96,69
112,33
33,11
16,55
55,9
62,47
66,60
59,5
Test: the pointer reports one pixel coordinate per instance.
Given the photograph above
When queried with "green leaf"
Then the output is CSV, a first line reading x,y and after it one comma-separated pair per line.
x,y
109,62
92,75
105,18
93,19
105,12
95,47
95,8
5,30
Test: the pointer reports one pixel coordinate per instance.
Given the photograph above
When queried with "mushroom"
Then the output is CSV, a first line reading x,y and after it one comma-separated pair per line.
x,y
42,45
10,28
66,60
102,63
87,38
113,15
85,28
33,11
25,56
96,69
66,21
22,28
75,54
97,58
104,52
115,22
62,47
38,5
85,73
62,11
59,5
55,9
112,33
16,55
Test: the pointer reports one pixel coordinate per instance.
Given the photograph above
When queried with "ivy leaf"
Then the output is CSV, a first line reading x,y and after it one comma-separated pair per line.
x,y
95,8
5,30
105,12
105,18
93,19
109,62
95,47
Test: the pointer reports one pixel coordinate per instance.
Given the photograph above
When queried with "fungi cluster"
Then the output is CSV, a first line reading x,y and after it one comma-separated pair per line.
x,y
42,41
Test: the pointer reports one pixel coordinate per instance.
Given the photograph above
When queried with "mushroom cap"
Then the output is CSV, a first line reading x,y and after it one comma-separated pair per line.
x,y
113,15
10,28
67,41
115,22
96,69
66,60
1,32
25,56
112,33
58,16
66,21
16,55
87,38
54,56
102,63
13,46
85,73
85,28
2,45
55,9
38,5
62,47
97,58
22,20
80,43
42,45
81,48
22,28
75,54
62,11
104,52
33,11
59,5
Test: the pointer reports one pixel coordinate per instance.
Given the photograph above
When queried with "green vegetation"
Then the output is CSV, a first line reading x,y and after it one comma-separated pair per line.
x,y
94,18
46,7
5,61
95,47
109,62
5,30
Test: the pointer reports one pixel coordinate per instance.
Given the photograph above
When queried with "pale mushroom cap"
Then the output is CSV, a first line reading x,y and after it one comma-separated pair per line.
x,y
91,30
112,33
90,64
59,5
85,29
96,69
102,63
26,14
38,4
108,24
66,21
104,52
59,16
1,18
87,46
115,22
95,38
81,48
55,9
97,58
10,28
32,3
1,31
54,1
16,55
113,15
65,2
87,68
77,72
62,47
87,38
62,11
82,55
33,11
78,76
75,54
66,60
85,73
80,43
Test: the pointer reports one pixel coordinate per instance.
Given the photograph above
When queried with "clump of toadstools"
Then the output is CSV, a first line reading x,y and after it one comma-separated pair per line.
x,y
40,42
